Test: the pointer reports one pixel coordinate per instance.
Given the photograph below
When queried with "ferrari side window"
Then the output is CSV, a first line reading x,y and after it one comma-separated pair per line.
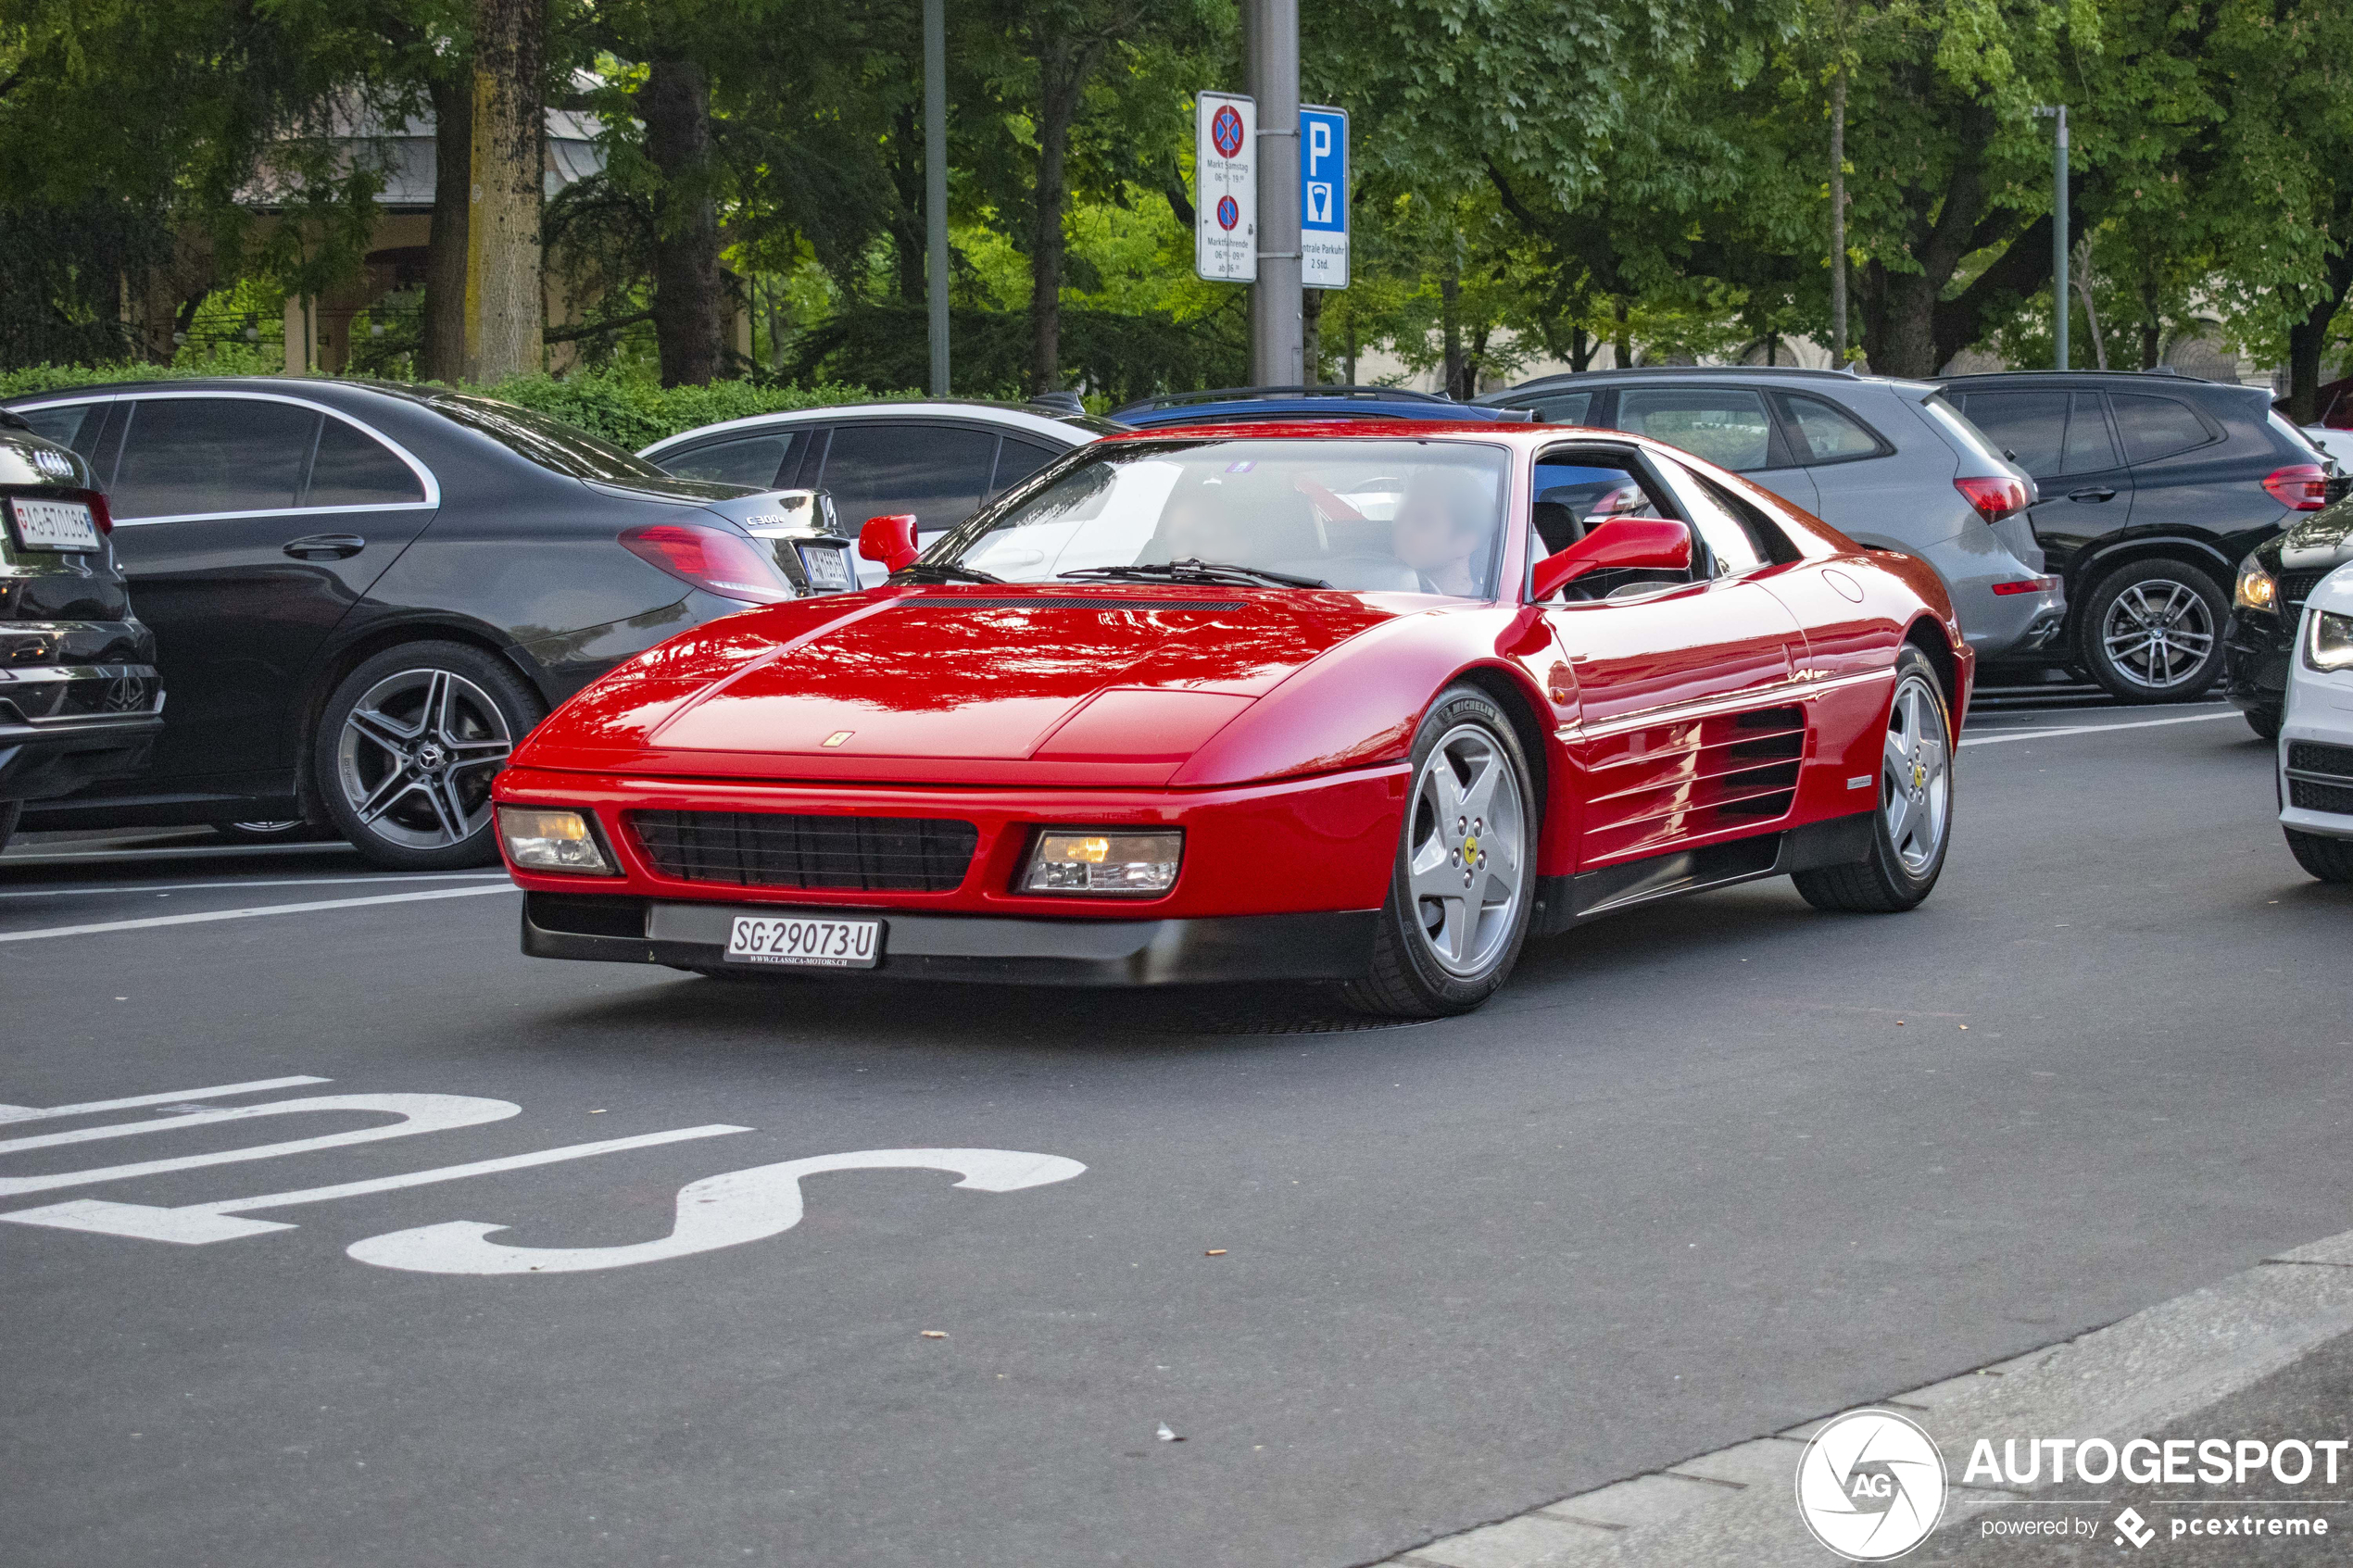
x,y
1577,492
1729,540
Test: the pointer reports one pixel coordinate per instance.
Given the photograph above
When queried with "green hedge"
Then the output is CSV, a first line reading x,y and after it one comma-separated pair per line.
x,y
623,409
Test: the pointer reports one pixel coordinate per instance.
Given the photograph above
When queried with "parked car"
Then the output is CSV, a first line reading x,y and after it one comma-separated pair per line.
x,y
1254,405
2316,734
79,700
937,460
363,595
2153,489
2275,584
1887,463
1177,711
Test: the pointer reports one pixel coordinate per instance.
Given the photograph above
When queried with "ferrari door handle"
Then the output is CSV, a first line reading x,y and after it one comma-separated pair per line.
x,y
326,546
2092,493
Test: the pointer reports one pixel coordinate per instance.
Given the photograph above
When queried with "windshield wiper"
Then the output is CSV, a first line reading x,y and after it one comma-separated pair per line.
x,y
941,572
1196,572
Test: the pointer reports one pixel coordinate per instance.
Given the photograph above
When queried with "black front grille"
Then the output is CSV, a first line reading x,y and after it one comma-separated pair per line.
x,y
2296,586
2306,795
775,849
2317,756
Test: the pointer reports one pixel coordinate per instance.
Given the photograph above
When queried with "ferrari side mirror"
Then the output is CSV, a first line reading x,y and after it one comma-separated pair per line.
x,y
1648,544
890,539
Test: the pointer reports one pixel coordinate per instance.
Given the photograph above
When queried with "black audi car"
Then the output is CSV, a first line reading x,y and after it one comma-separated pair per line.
x,y
364,595
2276,578
2154,487
79,697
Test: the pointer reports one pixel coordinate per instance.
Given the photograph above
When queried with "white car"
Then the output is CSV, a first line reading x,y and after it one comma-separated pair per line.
x,y
2316,734
2338,444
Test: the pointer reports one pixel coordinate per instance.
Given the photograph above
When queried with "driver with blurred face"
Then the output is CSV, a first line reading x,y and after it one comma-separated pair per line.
x,y
1203,523
1441,522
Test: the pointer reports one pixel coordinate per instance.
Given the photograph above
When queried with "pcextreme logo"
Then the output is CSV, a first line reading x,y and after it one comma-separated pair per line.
x,y
1870,1485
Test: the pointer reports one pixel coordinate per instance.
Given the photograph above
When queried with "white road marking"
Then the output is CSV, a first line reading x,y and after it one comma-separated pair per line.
x,y
418,1113
721,1210
290,882
154,921
197,1225
2092,729
218,1091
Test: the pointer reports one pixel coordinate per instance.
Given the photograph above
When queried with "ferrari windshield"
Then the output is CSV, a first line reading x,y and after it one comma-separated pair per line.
x,y
1408,516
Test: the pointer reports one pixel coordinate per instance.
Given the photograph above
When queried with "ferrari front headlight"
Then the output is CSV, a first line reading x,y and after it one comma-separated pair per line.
x,y
541,840
2256,588
1104,861
2330,647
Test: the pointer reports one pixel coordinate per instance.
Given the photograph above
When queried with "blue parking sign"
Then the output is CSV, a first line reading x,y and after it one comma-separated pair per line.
x,y
1323,197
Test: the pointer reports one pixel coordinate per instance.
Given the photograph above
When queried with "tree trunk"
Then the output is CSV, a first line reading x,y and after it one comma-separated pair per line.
x,y
1450,322
1061,76
1899,323
506,309
441,347
2152,328
1838,218
907,238
1311,324
1582,347
690,315
1352,347
1623,344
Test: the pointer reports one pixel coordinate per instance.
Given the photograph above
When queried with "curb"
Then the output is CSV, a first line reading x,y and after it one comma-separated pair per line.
x,y
1737,1505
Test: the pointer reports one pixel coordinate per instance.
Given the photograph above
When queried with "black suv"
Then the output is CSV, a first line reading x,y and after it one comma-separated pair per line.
x,y
2154,487
79,697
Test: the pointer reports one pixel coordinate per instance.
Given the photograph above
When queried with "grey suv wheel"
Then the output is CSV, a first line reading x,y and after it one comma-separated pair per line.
x,y
409,745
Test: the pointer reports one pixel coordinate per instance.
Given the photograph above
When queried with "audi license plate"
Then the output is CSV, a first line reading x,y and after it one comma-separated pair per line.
x,y
818,943
829,567
52,525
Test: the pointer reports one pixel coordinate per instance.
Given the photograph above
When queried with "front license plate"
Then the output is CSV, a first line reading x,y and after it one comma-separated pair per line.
x,y
52,525
818,944
827,566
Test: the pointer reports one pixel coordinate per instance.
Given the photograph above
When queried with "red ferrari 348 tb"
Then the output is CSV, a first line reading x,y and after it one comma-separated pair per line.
x,y
1318,702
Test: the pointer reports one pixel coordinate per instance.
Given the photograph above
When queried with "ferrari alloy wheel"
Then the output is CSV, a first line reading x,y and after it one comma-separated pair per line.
x,y
1458,902
1913,827
408,748
2152,631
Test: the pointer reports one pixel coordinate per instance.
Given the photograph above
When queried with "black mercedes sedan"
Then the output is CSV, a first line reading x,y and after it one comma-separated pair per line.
x,y
364,595
79,697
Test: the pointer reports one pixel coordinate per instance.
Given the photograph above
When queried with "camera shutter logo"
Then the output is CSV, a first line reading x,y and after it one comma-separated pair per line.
x,y
1870,1485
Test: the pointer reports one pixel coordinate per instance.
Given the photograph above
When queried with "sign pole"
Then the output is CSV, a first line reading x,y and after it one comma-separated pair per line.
x,y
2058,236
1276,333
935,185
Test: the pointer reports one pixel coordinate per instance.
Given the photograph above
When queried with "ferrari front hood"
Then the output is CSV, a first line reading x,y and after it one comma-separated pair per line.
x,y
1114,674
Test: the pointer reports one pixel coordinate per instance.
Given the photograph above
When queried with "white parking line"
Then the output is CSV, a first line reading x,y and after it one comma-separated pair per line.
x,y
2092,729
198,1223
153,920
35,1113
288,881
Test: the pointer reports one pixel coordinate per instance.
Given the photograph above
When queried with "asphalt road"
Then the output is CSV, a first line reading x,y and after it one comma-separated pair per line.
x,y
1701,1172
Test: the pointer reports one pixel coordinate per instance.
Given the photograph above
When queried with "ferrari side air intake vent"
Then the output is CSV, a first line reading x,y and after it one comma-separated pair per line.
x,y
1666,782
776,849
1075,601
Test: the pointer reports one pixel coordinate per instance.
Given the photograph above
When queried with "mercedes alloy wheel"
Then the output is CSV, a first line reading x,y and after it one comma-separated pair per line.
x,y
407,749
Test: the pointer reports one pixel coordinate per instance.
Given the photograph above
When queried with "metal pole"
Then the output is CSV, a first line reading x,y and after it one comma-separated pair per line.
x,y
1276,333
935,185
2058,247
